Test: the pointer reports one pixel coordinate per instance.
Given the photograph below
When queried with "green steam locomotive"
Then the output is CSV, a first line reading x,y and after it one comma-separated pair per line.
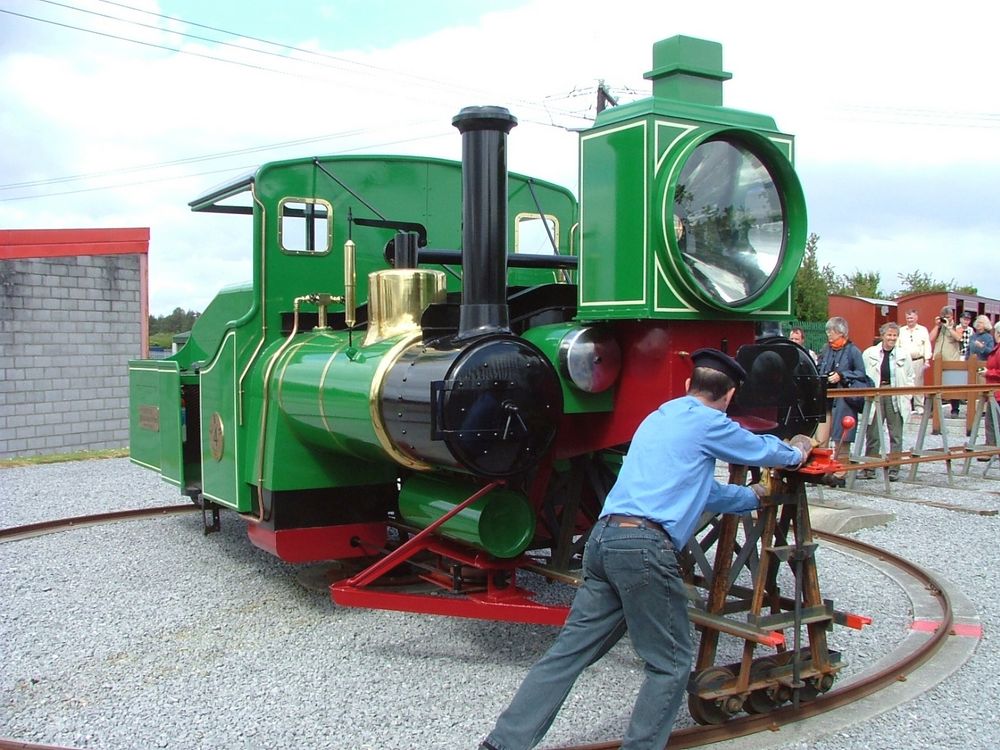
x,y
437,364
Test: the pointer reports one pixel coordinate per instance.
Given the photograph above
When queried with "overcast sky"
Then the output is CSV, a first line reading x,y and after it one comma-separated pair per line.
x,y
896,110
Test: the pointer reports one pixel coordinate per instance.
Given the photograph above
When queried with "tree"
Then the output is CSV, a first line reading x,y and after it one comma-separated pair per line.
x,y
860,284
919,282
811,285
814,285
178,321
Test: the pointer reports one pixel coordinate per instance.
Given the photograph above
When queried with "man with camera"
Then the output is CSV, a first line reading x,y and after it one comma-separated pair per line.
x,y
946,343
967,332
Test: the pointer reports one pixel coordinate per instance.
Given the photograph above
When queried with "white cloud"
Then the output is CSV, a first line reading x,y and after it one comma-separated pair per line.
x,y
851,85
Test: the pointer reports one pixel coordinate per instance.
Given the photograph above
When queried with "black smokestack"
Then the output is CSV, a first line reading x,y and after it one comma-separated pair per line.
x,y
484,219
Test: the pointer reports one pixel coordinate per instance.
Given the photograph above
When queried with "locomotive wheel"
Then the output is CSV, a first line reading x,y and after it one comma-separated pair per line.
x,y
815,686
808,691
573,502
710,710
763,700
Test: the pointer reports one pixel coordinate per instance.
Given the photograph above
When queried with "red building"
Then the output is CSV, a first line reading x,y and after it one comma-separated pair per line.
x,y
864,316
929,304
75,311
65,245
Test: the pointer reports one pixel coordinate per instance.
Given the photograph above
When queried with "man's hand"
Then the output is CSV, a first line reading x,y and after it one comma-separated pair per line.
x,y
764,499
804,443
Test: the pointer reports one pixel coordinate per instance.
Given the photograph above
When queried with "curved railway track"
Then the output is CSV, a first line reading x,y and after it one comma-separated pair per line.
x,y
859,687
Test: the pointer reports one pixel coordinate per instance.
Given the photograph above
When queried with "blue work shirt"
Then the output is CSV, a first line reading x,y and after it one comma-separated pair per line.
x,y
668,475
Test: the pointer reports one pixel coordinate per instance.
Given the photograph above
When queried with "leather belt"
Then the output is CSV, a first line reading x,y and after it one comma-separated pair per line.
x,y
636,522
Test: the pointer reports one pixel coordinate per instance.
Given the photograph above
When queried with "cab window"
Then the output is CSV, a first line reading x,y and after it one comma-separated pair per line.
x,y
536,233
306,226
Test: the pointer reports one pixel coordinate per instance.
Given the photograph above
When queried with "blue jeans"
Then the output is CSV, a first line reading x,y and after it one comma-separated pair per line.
x,y
894,425
631,579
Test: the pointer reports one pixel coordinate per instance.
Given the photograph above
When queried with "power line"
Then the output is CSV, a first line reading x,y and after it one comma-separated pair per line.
x,y
282,45
922,116
138,41
177,162
546,106
356,67
451,87
236,170
214,156
205,56
128,184
166,31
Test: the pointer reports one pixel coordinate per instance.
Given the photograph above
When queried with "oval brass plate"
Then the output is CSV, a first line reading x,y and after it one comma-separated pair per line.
x,y
216,436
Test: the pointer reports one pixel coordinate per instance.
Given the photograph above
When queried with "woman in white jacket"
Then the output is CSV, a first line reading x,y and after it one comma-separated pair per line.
x,y
888,366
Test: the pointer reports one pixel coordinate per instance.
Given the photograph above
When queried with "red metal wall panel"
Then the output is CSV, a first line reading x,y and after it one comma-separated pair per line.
x,y
57,243
864,316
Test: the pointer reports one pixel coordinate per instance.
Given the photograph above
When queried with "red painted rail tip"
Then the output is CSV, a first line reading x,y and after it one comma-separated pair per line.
x,y
776,639
960,629
857,622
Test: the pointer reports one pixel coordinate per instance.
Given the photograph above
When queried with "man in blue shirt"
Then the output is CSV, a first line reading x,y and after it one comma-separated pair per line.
x,y
630,571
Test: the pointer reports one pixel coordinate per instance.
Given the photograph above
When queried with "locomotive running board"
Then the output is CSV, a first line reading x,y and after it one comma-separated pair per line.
x,y
501,600
508,603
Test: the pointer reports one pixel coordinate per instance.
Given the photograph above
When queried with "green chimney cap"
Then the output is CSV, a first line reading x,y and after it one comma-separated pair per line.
x,y
688,70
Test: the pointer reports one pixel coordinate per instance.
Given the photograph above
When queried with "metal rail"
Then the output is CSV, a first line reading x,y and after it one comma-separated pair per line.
x,y
683,738
15,533
705,735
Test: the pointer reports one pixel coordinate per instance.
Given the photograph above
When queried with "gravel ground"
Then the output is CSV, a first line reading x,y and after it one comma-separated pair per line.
x,y
148,634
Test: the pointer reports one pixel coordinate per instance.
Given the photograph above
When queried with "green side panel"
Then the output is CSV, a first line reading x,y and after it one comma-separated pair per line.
x,y
155,417
668,298
548,338
220,428
296,465
780,308
614,197
319,415
501,522
228,305
402,189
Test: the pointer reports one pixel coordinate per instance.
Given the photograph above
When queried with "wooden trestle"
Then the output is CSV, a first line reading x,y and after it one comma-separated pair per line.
x,y
778,533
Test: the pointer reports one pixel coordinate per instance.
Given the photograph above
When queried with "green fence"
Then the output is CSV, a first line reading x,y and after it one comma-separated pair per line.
x,y
815,333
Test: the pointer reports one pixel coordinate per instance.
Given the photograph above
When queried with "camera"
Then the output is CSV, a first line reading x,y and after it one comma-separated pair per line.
x,y
942,321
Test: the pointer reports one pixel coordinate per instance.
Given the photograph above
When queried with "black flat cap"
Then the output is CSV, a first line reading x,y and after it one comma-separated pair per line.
x,y
967,314
713,359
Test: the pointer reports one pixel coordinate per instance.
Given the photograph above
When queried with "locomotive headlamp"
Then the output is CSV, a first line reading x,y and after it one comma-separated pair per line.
x,y
590,358
733,205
